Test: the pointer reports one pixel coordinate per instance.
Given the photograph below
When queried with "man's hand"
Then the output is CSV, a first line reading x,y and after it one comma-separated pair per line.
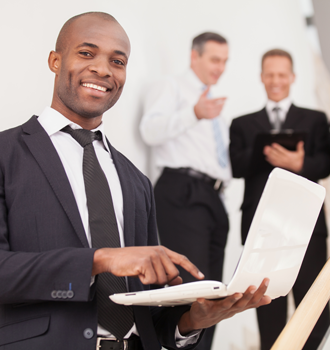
x,y
153,265
206,313
279,156
208,108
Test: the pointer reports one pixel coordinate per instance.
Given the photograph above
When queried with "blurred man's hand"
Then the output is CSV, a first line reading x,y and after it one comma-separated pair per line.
x,y
279,156
208,108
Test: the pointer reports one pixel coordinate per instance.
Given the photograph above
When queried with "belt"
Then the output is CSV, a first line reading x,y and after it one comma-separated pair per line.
x,y
132,343
217,184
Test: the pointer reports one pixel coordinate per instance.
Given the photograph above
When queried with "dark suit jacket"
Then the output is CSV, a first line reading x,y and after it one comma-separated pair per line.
x,y
243,131
43,249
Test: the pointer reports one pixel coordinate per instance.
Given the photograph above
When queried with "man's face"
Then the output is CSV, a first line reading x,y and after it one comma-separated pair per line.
x,y
277,77
91,69
211,63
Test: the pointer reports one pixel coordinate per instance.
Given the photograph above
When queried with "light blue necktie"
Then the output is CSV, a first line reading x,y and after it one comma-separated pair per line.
x,y
220,146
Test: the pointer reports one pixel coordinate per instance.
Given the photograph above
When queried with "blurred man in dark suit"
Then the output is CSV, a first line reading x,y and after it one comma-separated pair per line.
x,y
310,159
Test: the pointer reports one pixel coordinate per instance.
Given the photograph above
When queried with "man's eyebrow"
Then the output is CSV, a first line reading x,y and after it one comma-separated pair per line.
x,y
89,45
118,52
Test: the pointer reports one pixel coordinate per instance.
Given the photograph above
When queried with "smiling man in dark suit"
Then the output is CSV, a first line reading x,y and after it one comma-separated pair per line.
x,y
310,159
66,240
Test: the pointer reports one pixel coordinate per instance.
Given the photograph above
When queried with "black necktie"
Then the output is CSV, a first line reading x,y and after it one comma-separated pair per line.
x,y
117,319
277,121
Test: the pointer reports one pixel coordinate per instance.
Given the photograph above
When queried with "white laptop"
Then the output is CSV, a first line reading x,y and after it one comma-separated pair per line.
x,y
275,247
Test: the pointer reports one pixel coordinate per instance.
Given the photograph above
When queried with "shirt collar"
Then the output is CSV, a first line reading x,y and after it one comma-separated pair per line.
x,y
284,105
53,121
194,80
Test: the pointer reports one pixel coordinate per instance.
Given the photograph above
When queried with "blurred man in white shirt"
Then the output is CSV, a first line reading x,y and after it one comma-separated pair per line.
x,y
182,122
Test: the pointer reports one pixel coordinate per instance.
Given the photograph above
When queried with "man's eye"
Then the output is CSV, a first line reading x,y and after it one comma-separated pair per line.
x,y
119,62
84,53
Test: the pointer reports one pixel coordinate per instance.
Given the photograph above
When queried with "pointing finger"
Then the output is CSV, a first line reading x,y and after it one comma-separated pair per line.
x,y
220,100
184,262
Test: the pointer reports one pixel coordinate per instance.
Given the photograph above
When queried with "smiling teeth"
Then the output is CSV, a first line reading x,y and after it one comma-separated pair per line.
x,y
96,87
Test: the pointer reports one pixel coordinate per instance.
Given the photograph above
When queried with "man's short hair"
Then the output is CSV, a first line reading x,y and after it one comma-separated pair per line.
x,y
200,40
276,52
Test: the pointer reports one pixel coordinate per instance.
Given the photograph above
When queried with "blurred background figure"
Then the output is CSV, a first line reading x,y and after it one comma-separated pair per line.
x,y
182,123
310,159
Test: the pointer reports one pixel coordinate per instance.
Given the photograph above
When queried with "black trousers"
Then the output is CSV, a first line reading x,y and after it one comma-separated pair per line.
x,y
272,317
192,221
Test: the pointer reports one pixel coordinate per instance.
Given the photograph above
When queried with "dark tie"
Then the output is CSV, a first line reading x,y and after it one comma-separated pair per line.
x,y
117,319
277,121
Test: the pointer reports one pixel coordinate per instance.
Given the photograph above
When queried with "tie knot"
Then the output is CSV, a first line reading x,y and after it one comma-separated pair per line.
x,y
83,136
276,109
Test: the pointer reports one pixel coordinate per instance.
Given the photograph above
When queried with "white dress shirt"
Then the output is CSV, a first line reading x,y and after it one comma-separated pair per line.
x,y
171,127
283,105
71,155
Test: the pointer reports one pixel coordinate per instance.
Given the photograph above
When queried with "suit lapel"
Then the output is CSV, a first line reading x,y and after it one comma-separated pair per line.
x,y
261,120
128,196
293,118
46,156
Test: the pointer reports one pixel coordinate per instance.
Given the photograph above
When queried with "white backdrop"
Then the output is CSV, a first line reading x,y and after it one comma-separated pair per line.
x,y
160,34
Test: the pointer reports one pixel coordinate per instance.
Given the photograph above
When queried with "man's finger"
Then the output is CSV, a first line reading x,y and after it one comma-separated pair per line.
x,y
260,292
300,146
148,275
164,267
219,100
247,297
279,148
267,149
177,280
231,300
185,263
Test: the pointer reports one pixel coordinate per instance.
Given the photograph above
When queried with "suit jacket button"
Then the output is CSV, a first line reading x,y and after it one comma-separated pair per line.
x,y
88,333
53,294
64,294
59,294
70,294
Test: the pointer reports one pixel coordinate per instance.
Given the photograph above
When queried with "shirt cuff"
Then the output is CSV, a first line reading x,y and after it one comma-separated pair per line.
x,y
190,338
92,281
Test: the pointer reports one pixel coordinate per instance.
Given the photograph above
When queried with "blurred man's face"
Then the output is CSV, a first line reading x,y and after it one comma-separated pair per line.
x,y
277,77
211,63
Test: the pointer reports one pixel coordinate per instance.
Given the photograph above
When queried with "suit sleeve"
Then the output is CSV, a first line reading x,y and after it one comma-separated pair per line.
x,y
33,276
240,152
317,163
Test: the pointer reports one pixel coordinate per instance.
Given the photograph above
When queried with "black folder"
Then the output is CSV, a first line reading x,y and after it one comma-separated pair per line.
x,y
287,138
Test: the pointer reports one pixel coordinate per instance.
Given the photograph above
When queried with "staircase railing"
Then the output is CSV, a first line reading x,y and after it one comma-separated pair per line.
x,y
299,327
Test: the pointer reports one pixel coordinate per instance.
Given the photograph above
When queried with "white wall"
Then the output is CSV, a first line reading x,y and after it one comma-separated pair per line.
x,y
160,33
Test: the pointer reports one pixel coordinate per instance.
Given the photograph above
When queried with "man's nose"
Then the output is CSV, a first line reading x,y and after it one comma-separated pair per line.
x,y
101,67
221,67
275,79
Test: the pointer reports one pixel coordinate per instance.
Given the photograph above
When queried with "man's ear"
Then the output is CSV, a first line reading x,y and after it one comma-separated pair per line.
x,y
293,78
54,61
262,77
194,55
